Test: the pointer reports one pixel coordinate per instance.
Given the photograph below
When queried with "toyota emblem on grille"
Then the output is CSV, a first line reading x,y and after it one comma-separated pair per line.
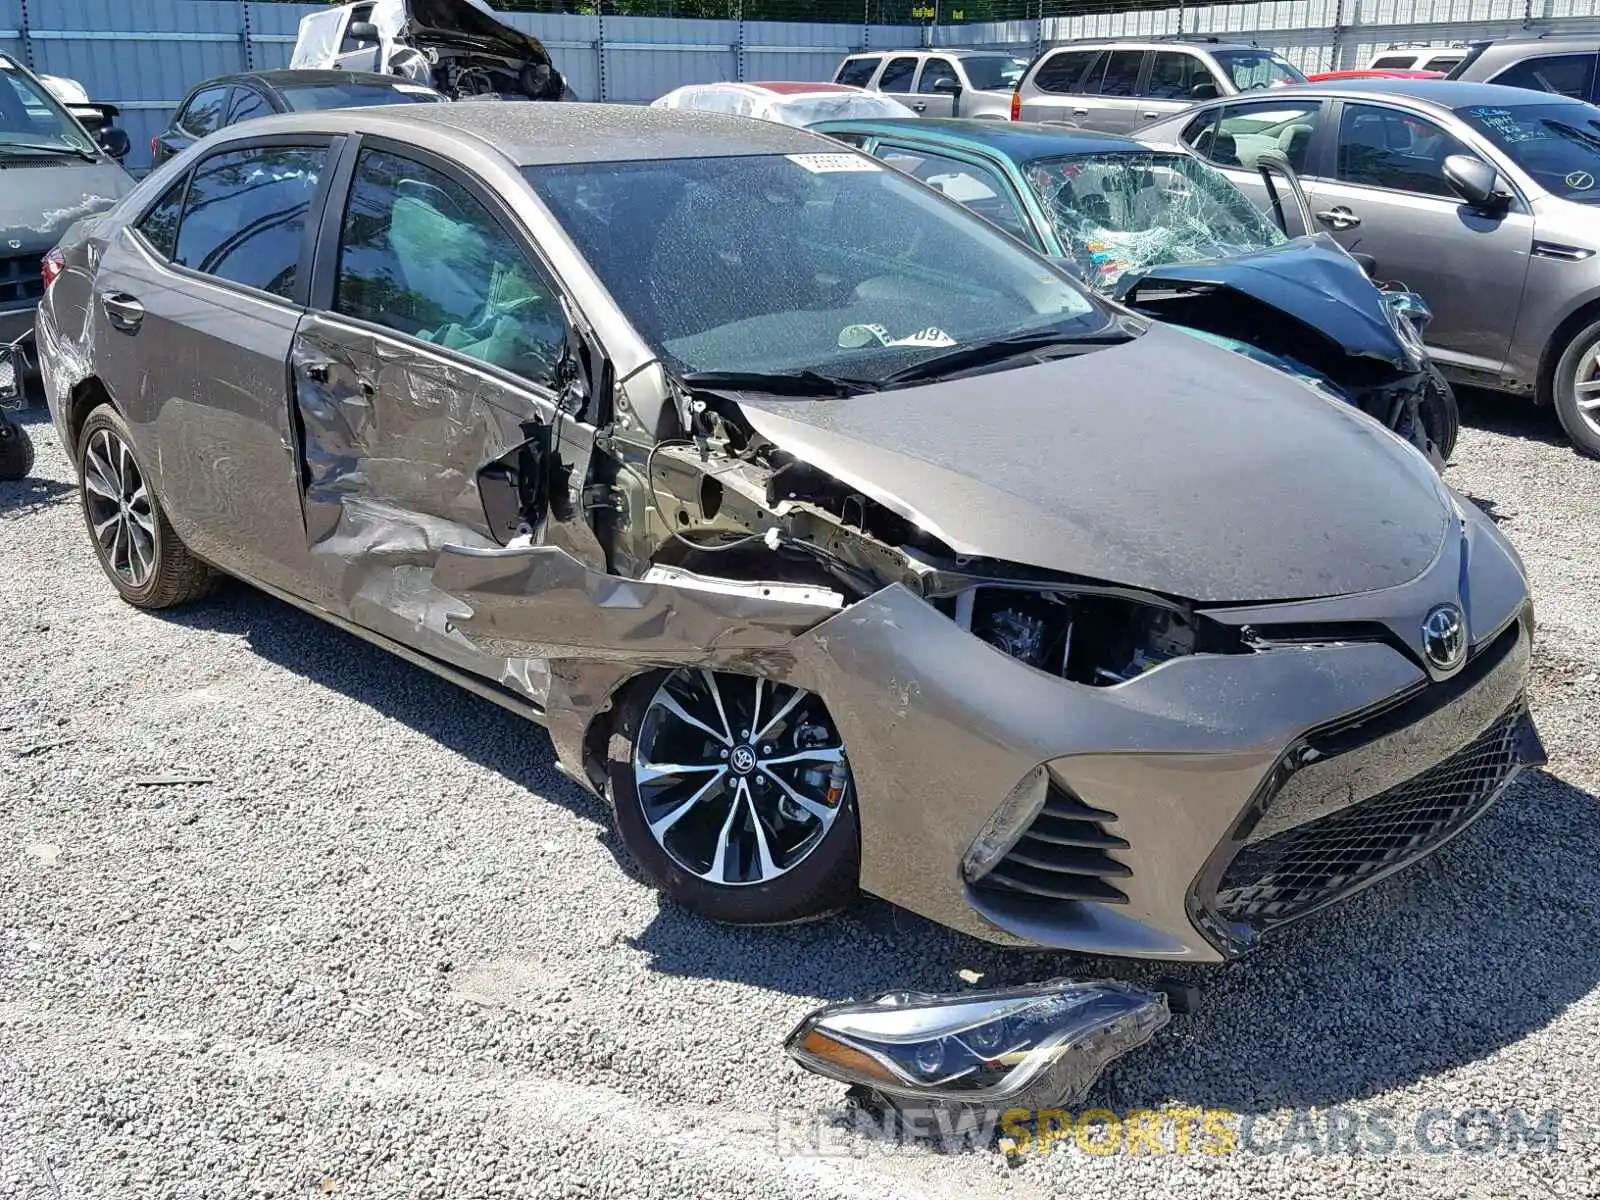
x,y
1444,637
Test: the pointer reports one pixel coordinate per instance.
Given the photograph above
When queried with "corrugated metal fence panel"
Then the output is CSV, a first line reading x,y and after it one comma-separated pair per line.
x,y
272,33
11,28
1151,22
139,56
796,50
648,56
571,41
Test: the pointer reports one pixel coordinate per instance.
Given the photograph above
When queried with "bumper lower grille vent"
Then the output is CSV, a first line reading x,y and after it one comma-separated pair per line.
x,y
1064,855
20,280
1299,870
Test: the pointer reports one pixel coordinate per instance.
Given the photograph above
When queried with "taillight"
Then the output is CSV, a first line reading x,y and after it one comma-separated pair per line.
x,y
51,266
155,149
1016,106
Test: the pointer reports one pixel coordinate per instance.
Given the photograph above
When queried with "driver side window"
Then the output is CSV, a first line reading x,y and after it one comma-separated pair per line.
x,y
1387,148
420,255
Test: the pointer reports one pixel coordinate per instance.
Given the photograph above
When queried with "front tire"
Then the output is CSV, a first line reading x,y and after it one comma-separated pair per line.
x,y
1440,413
734,796
1575,390
134,543
16,450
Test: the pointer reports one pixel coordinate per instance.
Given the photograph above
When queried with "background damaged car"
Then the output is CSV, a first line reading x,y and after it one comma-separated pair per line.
x,y
460,47
840,539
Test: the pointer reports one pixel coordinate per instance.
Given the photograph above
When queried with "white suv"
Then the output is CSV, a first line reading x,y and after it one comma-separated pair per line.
x,y
939,83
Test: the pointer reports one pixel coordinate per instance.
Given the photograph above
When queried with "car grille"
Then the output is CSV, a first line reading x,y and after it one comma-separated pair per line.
x,y
1064,855
1299,870
20,281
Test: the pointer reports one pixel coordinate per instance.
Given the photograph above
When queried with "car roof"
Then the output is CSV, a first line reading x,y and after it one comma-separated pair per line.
x,y
307,78
1557,41
1018,141
946,51
1157,43
536,133
1438,93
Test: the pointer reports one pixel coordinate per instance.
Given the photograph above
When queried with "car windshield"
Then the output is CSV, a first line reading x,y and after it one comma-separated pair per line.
x,y
302,98
32,119
994,72
1123,211
1252,70
824,262
1557,144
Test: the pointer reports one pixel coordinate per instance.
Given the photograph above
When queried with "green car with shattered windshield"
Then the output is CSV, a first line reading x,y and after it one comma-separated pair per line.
x,y
1159,229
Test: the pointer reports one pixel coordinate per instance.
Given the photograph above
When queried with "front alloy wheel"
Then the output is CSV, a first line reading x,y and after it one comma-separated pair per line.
x,y
1575,390
735,795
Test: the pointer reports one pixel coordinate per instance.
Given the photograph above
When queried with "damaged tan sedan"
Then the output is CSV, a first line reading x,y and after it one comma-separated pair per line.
x,y
842,541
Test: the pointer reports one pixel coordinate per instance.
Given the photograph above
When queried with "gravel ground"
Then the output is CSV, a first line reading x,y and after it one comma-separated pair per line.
x,y
397,955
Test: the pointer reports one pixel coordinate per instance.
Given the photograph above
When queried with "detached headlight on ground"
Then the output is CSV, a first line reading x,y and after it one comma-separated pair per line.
x,y
1037,1046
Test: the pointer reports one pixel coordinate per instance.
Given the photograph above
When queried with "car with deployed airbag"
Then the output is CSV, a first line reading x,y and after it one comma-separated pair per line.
x,y
837,538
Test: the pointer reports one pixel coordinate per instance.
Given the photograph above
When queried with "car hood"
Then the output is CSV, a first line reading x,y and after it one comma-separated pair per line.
x,y
1309,278
39,204
460,25
1163,463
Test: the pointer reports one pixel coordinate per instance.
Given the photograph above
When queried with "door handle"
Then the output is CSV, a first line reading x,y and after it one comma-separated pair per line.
x,y
1080,112
124,312
1150,115
920,106
1339,218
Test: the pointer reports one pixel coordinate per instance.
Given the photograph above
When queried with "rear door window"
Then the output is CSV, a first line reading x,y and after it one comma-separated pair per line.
x,y
159,226
1236,135
421,255
244,219
1564,74
1063,71
897,75
1122,73
246,104
203,114
857,72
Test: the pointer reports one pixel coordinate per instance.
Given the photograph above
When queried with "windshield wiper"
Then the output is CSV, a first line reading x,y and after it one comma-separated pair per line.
x,y
49,148
778,383
966,358
1573,133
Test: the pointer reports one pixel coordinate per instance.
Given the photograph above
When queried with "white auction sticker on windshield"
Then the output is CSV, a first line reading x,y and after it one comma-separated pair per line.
x,y
822,164
413,89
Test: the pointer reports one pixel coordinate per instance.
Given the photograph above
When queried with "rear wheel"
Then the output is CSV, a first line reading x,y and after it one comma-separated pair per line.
x,y
1575,390
137,548
16,450
734,795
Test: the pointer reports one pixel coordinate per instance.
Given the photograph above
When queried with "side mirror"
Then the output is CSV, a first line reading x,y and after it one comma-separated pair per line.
x,y
1204,90
946,86
365,31
115,142
1474,180
513,486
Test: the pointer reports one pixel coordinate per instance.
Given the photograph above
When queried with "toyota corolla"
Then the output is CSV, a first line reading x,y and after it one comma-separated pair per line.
x,y
839,539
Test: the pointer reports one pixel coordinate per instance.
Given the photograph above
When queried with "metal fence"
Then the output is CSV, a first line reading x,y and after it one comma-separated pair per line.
x,y
145,54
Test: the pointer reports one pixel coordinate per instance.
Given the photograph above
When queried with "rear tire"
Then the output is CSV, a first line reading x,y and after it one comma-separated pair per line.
x,y
16,450
1575,390
803,863
134,543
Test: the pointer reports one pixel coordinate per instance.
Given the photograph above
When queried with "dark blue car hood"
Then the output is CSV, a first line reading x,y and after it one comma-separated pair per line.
x,y
1308,278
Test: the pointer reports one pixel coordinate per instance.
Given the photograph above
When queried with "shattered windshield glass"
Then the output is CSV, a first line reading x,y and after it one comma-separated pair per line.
x,y
1124,211
826,262
1558,144
1252,70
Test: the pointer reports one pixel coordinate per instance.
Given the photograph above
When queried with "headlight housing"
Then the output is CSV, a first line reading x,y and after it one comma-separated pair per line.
x,y
1029,1047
